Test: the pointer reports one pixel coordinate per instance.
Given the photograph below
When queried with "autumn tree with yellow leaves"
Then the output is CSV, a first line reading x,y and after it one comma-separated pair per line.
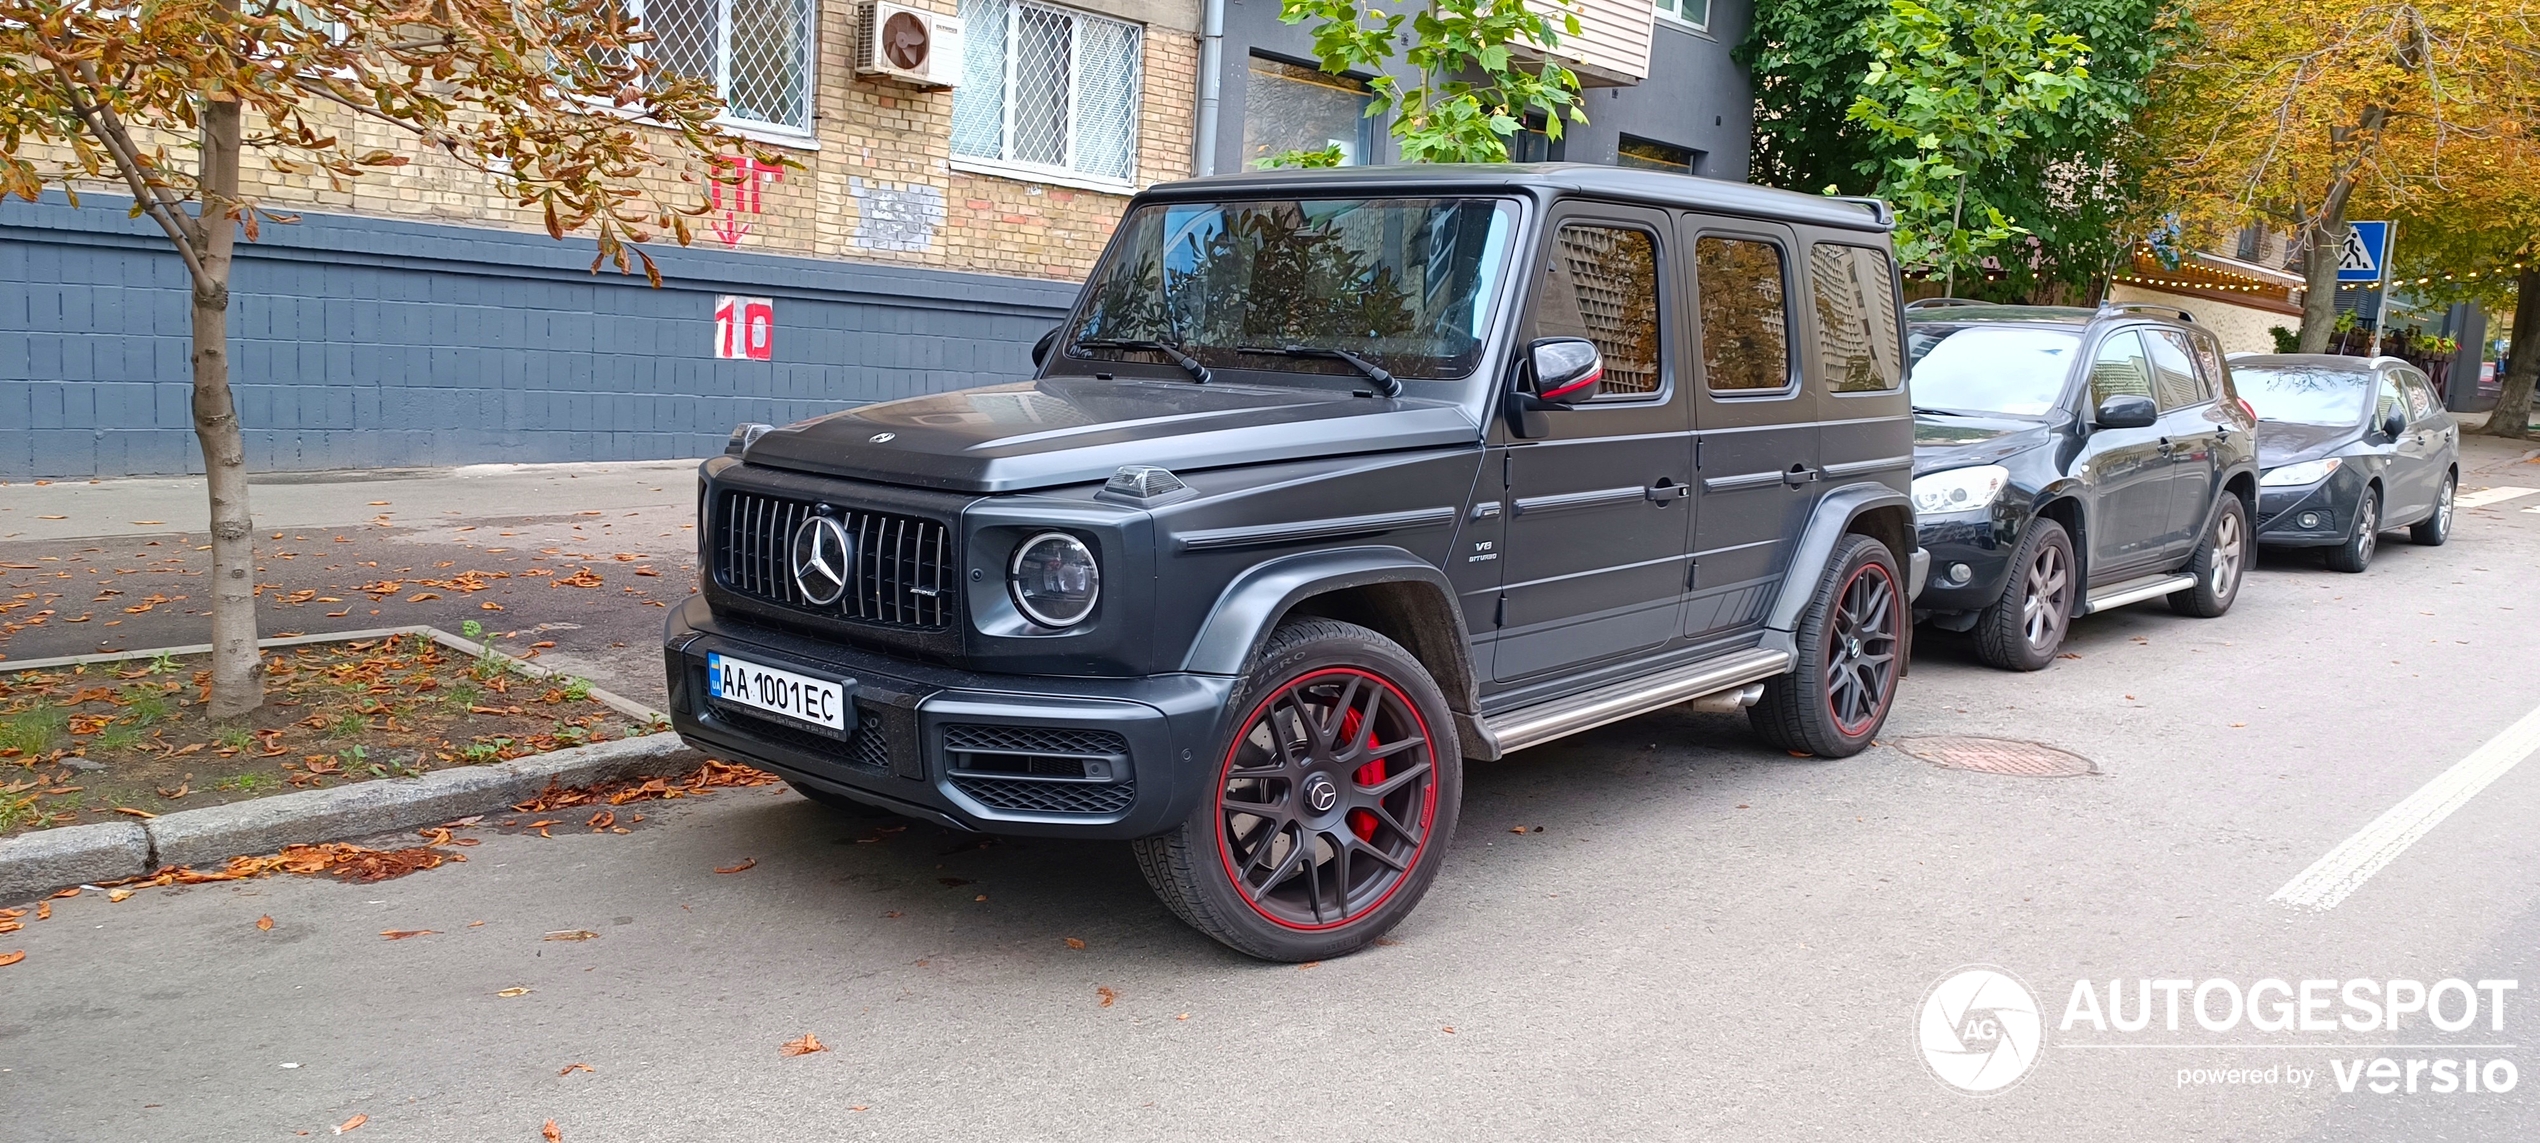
x,y
2295,113
168,100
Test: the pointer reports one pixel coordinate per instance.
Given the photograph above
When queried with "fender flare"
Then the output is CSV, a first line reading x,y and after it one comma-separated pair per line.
x,y
1251,606
1833,517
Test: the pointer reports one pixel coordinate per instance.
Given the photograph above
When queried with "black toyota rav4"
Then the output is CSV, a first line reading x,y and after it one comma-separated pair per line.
x,y
1329,482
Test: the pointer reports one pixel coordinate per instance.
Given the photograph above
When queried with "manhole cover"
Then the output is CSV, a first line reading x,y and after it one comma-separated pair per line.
x,y
1997,756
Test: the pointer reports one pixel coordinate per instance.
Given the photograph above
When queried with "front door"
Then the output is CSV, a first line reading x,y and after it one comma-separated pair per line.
x,y
1756,447
2126,470
1593,568
2424,448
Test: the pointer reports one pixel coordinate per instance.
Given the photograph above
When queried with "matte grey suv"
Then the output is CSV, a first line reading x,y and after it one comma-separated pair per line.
x,y
1331,481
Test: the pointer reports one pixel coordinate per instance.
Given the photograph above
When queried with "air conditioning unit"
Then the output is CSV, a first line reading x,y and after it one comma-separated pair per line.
x,y
909,45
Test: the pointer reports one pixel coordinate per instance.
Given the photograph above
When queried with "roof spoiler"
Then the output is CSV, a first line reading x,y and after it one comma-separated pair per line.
x,y
1942,303
2147,308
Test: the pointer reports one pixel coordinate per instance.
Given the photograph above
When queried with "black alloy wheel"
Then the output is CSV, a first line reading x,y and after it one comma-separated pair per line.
x,y
1851,649
2024,628
2356,553
1330,807
2435,529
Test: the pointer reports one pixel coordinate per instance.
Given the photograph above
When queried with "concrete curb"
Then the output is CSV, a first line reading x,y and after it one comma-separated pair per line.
x,y
37,863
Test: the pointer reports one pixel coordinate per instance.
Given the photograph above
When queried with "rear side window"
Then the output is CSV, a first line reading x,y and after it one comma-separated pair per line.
x,y
2120,369
2216,378
1604,287
1856,317
2174,381
2420,395
1745,314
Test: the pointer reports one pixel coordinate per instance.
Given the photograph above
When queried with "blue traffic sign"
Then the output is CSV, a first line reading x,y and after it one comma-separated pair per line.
x,y
2366,251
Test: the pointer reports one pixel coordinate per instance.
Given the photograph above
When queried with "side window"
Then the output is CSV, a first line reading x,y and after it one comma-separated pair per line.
x,y
2420,395
1856,317
1745,314
2389,399
2211,360
2120,369
1603,286
2174,383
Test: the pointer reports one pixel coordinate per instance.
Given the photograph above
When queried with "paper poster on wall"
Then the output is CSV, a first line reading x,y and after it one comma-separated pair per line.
x,y
744,328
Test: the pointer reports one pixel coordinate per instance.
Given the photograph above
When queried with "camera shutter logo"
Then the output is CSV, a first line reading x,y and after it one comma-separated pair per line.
x,y
823,558
1980,1030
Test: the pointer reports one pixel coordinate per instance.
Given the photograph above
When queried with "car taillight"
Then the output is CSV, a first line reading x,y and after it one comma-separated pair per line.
x,y
2251,411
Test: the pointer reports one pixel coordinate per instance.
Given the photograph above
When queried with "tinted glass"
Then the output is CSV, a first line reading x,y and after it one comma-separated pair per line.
x,y
2120,369
2388,400
1406,283
1991,369
1603,286
1745,314
2297,396
2210,361
1291,108
2174,381
2420,395
1856,317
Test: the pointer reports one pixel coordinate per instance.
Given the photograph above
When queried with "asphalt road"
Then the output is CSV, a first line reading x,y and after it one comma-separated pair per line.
x,y
1705,939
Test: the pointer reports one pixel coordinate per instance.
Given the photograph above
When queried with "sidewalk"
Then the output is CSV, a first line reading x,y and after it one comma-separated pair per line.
x,y
120,569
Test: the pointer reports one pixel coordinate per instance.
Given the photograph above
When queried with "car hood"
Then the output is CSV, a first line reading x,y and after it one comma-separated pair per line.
x,y
1072,430
2281,443
1946,441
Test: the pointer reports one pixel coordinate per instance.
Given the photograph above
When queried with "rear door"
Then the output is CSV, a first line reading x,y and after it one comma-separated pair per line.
x,y
1756,441
1864,430
2126,470
2424,447
2189,431
1597,530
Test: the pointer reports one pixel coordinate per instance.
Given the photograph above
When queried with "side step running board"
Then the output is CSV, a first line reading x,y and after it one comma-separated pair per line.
x,y
2135,591
1614,702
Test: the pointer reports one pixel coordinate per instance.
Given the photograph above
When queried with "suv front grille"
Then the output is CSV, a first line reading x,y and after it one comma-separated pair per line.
x,y
1040,769
1048,797
903,573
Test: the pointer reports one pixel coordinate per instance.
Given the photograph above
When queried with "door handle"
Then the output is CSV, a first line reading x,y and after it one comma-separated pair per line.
x,y
1666,491
1799,474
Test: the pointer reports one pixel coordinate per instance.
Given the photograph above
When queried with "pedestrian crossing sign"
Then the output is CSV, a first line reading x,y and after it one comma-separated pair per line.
x,y
2366,248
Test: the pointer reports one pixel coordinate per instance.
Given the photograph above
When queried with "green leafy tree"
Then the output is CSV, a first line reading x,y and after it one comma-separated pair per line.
x,y
2073,182
1446,115
167,100
1955,87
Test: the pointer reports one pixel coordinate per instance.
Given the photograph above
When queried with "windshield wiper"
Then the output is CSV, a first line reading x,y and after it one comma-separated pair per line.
x,y
1197,371
1373,371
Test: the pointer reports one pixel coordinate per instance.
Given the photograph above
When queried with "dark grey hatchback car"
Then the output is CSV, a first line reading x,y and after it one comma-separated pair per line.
x,y
2351,446
1331,481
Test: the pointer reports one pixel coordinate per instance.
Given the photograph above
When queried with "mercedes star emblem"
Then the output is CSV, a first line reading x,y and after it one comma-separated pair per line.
x,y
1321,793
822,557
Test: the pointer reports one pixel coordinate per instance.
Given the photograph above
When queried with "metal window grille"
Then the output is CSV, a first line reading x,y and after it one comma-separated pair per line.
x,y
1048,87
757,52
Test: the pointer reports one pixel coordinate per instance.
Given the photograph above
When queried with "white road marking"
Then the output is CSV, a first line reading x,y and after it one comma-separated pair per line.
x,y
2357,858
2486,496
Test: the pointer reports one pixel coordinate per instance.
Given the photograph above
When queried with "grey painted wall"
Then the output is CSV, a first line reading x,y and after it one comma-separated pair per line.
x,y
369,343
1695,96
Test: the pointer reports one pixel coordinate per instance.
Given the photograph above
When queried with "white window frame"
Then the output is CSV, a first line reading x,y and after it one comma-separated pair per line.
x,y
1671,16
1007,167
785,134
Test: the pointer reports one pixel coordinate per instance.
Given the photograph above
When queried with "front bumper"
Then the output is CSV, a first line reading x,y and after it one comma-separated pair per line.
x,y
1978,543
2329,504
1012,754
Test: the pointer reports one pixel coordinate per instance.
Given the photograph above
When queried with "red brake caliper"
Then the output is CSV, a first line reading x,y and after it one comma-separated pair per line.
x,y
1361,822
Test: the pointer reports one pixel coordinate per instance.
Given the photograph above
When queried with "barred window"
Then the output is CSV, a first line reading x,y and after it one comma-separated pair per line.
x,y
757,52
1048,88
1856,317
1604,287
1745,317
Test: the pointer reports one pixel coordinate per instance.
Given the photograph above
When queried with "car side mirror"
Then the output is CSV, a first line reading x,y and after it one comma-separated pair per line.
x,y
1041,349
2127,411
2394,426
1568,370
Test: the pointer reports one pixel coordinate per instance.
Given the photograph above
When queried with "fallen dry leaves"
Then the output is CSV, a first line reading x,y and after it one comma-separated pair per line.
x,y
265,922
512,992
10,958
747,863
570,935
1106,995
569,1069
553,1133
401,934
357,1120
715,774
1073,943
804,1046
344,861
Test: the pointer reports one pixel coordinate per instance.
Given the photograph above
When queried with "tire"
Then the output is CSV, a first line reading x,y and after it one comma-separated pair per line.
x,y
2221,559
840,802
1851,649
1350,755
2437,528
2356,553
2023,629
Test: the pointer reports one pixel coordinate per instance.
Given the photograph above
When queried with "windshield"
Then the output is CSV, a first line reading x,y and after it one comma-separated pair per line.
x,y
1990,369
2298,396
1408,284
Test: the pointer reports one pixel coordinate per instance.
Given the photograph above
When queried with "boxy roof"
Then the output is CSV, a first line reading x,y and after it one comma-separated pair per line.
x,y
1658,188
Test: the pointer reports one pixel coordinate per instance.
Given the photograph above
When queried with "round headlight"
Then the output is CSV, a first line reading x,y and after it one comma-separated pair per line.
x,y
1054,580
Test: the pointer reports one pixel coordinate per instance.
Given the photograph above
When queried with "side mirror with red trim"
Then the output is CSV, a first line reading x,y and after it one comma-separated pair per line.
x,y
1568,370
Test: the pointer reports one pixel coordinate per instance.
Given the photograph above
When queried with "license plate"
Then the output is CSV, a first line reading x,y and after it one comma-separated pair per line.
x,y
820,702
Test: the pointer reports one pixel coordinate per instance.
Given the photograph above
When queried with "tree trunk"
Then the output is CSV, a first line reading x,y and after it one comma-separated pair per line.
x,y
2512,415
237,683
2319,270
